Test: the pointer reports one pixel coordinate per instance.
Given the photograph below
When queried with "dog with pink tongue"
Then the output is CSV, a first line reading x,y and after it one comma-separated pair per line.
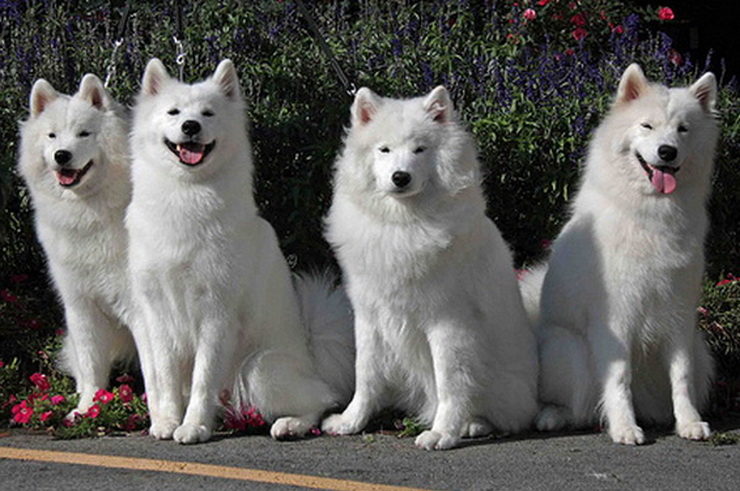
x,y
615,307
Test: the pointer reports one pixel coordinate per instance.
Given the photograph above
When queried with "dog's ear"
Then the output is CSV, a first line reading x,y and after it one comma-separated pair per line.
x,y
439,105
92,90
364,107
154,78
632,85
227,79
42,94
705,90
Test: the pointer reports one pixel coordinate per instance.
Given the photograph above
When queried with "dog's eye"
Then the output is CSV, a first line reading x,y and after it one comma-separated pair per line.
x,y
173,112
682,129
647,126
52,135
207,113
83,134
419,149
384,149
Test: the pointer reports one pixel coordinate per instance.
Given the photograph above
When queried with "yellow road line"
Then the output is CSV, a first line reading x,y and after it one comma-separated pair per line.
x,y
194,469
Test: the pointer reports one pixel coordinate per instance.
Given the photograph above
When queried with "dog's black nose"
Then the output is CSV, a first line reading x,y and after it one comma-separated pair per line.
x,y
667,152
401,179
191,127
63,157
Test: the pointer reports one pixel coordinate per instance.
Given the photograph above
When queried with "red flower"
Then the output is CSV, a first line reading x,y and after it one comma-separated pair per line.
x,y
618,29
570,51
132,422
125,393
22,413
579,33
125,379
530,14
45,415
7,296
93,412
57,399
666,13
675,57
542,3
103,396
578,20
2,363
39,380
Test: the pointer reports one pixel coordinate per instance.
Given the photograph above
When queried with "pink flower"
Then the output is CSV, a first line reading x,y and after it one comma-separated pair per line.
x,y
579,33
723,282
618,29
22,413
125,379
93,412
542,3
703,311
675,57
570,52
666,13
2,363
57,399
578,20
103,396
39,380
315,431
131,422
7,296
530,14
125,393
45,415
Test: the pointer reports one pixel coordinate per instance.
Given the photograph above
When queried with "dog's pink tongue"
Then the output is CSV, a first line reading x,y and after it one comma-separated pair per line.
x,y
191,155
66,178
663,182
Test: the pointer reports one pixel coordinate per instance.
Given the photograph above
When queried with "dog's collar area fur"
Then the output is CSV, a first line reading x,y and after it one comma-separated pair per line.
x,y
71,177
190,148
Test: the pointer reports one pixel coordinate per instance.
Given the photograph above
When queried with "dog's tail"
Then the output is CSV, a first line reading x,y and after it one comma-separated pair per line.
x,y
326,314
530,285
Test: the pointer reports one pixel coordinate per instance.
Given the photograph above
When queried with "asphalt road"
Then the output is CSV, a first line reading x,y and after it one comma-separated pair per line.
x,y
535,461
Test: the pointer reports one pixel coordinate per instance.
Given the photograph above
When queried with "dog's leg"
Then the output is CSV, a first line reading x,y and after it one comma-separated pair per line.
x,y
369,383
91,335
451,348
613,367
214,356
146,360
680,366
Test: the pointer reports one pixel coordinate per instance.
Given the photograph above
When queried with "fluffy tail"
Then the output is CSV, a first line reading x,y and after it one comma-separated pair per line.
x,y
530,285
326,314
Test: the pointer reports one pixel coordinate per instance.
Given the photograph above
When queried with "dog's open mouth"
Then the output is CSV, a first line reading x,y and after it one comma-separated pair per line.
x,y
190,153
70,177
662,177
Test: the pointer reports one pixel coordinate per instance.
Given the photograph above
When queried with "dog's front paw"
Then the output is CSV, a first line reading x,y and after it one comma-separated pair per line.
x,y
190,433
339,424
435,440
550,419
627,435
696,430
163,430
478,427
289,427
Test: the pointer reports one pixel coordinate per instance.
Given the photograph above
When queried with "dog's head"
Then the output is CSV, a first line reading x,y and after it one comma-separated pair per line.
x,y
67,134
186,127
401,148
668,135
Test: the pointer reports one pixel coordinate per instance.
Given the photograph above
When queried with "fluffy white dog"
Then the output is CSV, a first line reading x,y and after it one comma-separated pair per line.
x,y
617,315
440,327
214,290
74,160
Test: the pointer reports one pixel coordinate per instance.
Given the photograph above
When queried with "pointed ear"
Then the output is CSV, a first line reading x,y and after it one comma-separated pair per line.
x,y
227,79
155,76
439,105
705,90
364,107
92,90
42,94
632,85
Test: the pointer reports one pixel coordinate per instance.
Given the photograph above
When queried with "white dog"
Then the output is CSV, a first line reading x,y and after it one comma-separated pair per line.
x,y
214,291
618,306
74,160
440,327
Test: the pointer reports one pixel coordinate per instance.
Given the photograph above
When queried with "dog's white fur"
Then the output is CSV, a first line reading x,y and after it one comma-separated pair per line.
x,y
439,323
617,331
81,226
214,291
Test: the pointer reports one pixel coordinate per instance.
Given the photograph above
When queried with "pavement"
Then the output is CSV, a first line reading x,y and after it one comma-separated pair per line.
x,y
377,461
